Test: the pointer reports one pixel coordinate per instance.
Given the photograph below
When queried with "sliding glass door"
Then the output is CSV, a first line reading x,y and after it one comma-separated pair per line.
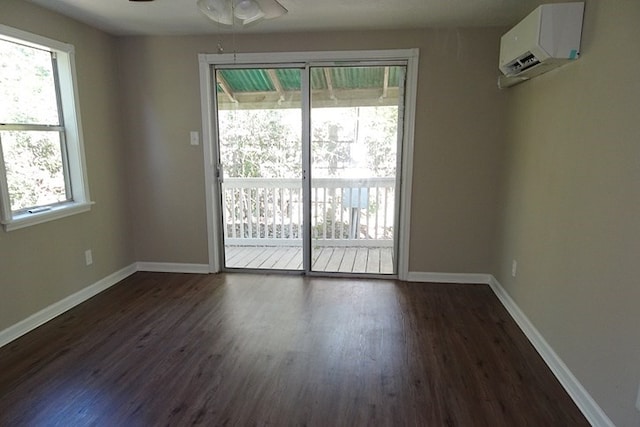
x,y
260,152
355,133
309,165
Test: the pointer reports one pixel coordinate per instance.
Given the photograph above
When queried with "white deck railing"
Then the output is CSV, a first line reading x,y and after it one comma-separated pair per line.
x,y
344,212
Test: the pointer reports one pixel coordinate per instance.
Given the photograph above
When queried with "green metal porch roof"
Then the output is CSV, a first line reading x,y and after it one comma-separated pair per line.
x,y
250,88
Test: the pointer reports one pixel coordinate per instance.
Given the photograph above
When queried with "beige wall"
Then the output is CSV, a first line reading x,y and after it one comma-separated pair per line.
x,y
42,264
549,167
458,142
572,207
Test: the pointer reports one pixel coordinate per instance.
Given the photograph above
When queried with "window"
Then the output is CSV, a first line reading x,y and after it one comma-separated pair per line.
x,y
42,171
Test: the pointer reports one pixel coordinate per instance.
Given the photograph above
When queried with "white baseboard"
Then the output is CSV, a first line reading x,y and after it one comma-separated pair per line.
x,y
594,414
43,316
466,278
590,409
172,267
56,309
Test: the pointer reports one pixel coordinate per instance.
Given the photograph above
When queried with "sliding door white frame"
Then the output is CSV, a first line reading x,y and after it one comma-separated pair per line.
x,y
209,132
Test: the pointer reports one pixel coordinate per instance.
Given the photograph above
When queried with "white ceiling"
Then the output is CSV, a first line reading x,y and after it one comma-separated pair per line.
x,y
174,17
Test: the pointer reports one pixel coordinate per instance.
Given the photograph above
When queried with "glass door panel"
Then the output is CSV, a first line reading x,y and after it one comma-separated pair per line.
x,y
260,152
356,117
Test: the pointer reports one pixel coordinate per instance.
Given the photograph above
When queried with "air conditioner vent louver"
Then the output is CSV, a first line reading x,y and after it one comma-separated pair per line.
x,y
519,65
547,38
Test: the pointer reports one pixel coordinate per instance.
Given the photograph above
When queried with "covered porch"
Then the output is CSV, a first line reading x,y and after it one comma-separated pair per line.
x,y
352,223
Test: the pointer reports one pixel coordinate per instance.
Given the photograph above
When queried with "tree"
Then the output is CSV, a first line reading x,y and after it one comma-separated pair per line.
x,y
260,143
33,159
354,142
381,139
33,163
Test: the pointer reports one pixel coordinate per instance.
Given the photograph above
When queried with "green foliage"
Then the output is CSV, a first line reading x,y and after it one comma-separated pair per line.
x,y
381,141
33,159
330,151
27,87
353,142
267,143
260,143
33,162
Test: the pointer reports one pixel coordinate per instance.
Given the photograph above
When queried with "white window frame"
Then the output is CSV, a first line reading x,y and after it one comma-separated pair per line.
x,y
80,200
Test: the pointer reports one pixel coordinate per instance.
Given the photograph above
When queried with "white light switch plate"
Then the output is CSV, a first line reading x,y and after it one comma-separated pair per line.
x,y
88,257
195,137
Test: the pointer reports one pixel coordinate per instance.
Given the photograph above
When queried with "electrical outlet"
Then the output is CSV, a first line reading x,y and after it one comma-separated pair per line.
x,y
638,399
514,268
88,257
195,137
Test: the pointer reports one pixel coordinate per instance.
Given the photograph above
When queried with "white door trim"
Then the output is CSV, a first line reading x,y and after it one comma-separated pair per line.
x,y
209,136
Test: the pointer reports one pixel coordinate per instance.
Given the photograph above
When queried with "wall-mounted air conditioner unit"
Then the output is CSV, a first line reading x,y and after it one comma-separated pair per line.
x,y
547,38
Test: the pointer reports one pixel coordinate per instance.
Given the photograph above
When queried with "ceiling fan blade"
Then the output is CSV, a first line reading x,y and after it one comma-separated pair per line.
x,y
271,8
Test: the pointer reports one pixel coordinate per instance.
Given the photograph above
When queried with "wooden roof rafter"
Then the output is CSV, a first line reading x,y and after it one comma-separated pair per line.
x,y
276,83
329,80
385,84
226,88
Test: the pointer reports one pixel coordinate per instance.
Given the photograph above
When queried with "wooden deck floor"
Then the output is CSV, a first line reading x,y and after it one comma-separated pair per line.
x,y
325,259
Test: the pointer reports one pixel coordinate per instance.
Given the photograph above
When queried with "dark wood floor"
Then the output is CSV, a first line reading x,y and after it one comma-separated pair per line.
x,y
236,349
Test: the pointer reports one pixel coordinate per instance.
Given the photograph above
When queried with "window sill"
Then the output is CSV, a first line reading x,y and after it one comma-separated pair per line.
x,y
28,219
